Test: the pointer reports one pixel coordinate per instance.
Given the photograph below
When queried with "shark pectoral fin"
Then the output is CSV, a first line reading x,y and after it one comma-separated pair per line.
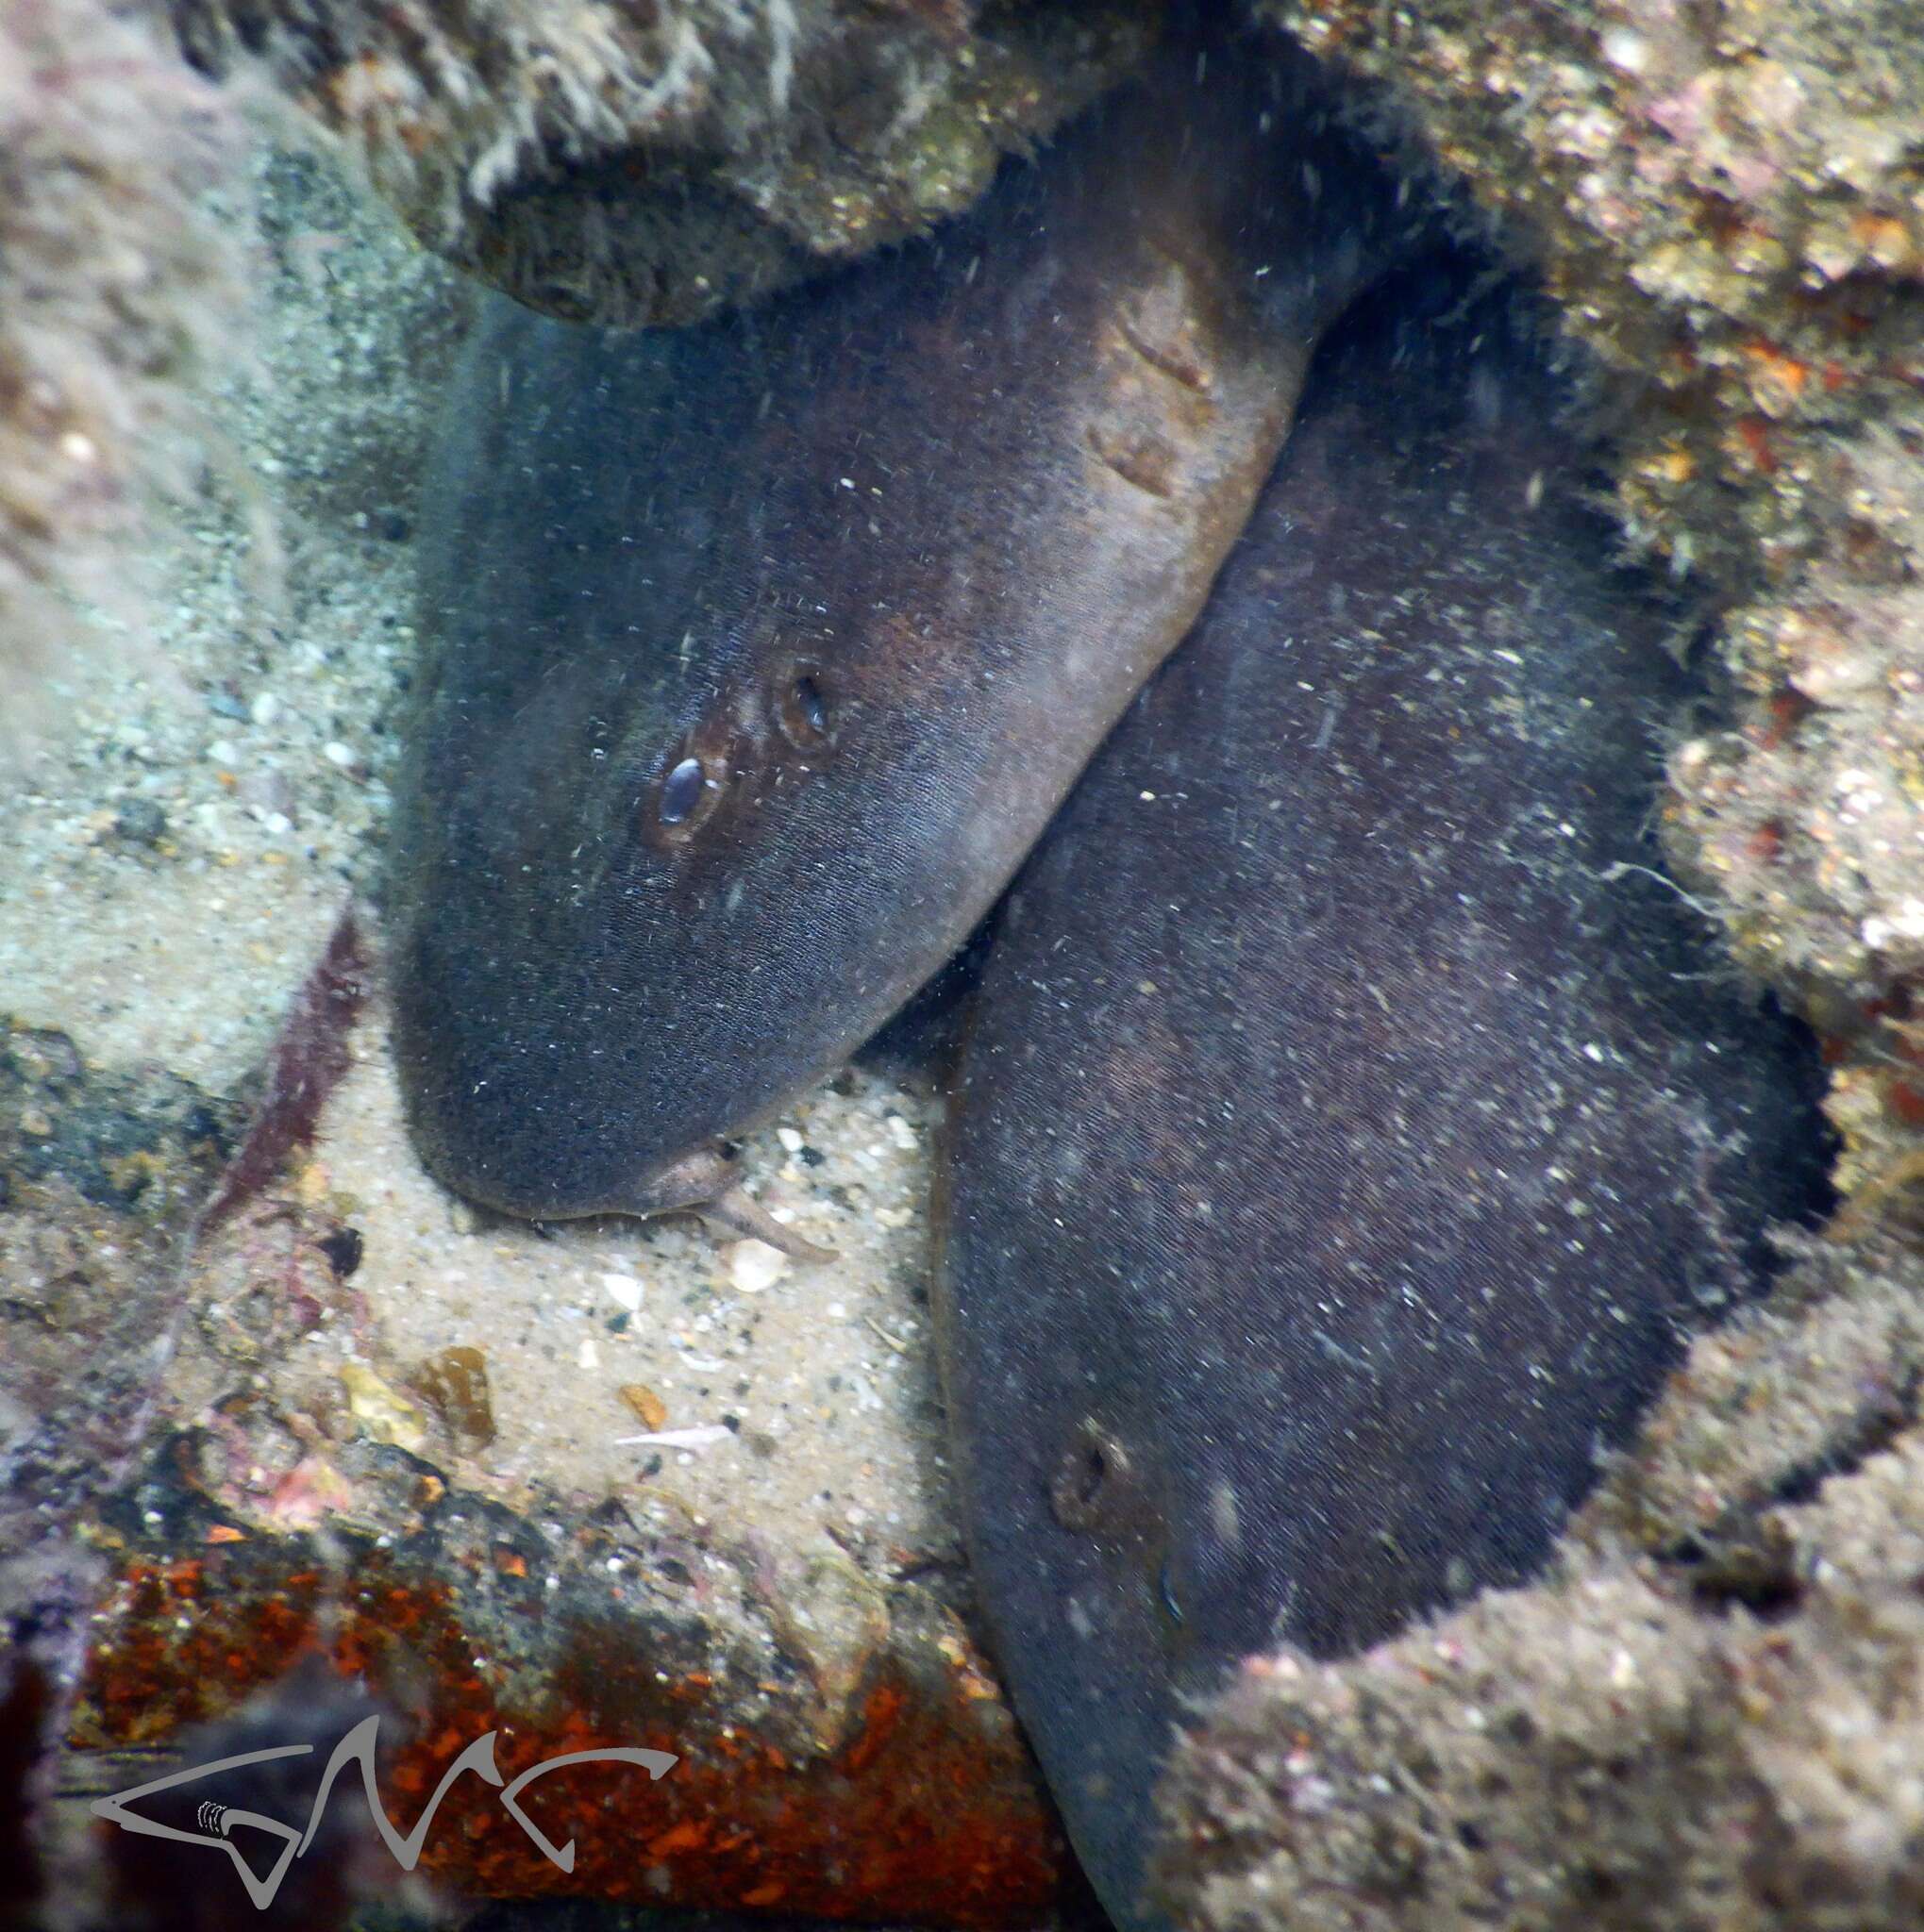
x,y
736,1211
707,1183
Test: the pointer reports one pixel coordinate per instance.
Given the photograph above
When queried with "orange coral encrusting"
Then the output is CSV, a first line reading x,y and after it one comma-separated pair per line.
x,y
913,1800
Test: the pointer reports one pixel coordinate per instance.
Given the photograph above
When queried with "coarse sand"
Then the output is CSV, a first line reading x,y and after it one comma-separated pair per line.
x,y
213,789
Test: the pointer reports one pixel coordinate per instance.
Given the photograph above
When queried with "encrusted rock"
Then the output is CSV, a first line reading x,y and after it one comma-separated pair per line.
x,y
641,163
840,1751
1711,1715
1728,205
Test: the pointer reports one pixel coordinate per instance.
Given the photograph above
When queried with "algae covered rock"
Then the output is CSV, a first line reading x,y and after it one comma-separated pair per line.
x,y
1728,206
115,290
639,164
1711,1714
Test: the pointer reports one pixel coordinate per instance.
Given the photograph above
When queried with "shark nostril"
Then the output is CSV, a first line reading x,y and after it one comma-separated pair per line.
x,y
805,698
1093,1485
801,708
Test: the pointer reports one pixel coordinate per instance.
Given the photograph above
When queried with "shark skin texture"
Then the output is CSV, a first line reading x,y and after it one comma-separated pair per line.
x,y
1352,1123
761,652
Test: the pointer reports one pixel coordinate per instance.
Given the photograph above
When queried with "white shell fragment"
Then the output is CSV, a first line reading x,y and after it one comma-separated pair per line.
x,y
754,1266
703,1438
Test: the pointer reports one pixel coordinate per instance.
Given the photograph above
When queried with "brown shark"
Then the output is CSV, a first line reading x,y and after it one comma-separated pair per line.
x,y
1353,1121
760,653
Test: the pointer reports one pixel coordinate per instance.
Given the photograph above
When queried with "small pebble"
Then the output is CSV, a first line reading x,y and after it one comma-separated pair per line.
x,y
140,822
454,1382
339,755
381,1411
646,1406
267,791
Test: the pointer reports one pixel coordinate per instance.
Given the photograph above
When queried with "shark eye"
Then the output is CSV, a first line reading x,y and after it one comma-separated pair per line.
x,y
801,708
689,791
680,792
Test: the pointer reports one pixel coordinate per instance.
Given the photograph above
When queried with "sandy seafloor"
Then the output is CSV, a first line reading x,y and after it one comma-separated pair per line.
x,y
213,788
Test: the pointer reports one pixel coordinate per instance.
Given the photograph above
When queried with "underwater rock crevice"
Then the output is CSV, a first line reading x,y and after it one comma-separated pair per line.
x,y
1611,1734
